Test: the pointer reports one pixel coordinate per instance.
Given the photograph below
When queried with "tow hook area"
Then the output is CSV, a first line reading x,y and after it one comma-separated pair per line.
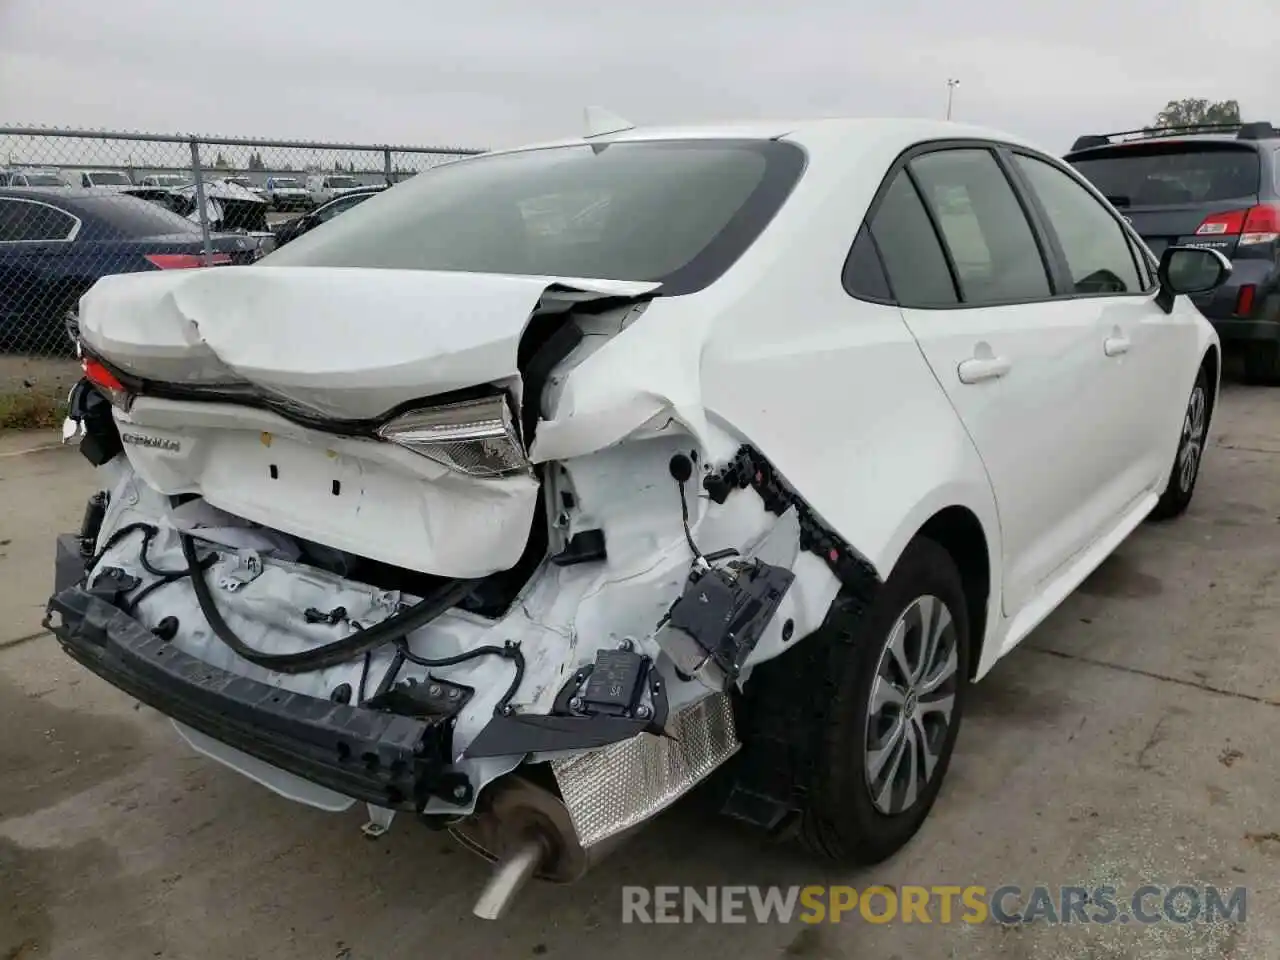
x,y
526,831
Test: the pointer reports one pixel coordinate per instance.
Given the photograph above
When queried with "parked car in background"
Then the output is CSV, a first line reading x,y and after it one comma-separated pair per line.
x,y
289,229
55,244
164,180
247,184
230,209
113,179
1215,186
287,193
324,187
764,445
31,178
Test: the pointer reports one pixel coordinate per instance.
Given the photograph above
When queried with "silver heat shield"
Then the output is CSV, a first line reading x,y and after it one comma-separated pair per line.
x,y
610,790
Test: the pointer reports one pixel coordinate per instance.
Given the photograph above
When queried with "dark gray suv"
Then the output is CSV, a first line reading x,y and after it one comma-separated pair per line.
x,y
1212,185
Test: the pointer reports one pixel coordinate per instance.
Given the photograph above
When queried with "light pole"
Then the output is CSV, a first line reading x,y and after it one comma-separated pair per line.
x,y
951,92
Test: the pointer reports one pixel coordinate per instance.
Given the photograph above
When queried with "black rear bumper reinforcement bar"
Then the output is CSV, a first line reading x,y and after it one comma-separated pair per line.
x,y
381,758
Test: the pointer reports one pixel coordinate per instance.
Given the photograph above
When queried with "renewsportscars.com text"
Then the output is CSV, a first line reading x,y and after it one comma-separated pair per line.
x,y
1180,904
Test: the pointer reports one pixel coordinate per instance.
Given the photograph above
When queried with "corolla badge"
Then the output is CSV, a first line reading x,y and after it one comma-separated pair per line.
x,y
155,443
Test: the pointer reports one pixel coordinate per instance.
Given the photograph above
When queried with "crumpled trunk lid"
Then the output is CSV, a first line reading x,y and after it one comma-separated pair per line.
x,y
346,347
344,343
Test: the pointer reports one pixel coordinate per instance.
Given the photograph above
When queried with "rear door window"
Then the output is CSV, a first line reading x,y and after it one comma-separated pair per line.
x,y
913,257
1170,174
864,275
1097,248
993,248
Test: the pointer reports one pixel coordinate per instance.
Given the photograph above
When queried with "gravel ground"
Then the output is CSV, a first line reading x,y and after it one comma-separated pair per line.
x,y
53,376
1129,740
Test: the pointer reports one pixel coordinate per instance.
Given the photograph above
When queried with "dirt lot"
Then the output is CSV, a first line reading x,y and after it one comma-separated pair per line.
x,y
1130,740
50,375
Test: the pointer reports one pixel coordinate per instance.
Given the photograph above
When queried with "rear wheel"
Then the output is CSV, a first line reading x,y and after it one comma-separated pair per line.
x,y
1262,363
898,673
1186,463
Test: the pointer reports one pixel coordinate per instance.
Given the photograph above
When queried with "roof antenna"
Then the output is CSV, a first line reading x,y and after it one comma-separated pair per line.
x,y
601,121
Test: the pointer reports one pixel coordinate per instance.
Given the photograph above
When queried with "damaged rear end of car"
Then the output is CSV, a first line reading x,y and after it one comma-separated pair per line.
x,y
358,538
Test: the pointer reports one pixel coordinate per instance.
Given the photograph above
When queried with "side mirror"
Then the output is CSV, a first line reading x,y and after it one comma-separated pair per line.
x,y
1190,270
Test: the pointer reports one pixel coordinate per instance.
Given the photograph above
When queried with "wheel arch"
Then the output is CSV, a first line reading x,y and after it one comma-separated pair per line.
x,y
959,531
1212,365
963,520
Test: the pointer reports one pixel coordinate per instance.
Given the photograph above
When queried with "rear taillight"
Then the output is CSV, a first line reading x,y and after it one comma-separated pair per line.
x,y
1244,300
475,437
1262,225
104,380
1220,224
186,261
1255,225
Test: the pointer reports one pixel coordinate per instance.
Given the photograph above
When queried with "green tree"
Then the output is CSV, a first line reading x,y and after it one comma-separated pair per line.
x,y
255,161
220,162
1179,114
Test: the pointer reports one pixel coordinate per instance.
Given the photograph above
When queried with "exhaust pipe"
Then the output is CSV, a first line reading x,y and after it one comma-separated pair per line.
x,y
509,877
528,831
525,830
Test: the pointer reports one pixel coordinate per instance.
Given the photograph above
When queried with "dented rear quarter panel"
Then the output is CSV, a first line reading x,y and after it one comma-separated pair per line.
x,y
834,392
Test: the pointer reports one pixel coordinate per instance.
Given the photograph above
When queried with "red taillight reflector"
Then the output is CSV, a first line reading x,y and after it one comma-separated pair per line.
x,y
186,261
1220,224
1255,225
99,375
1262,220
1244,300
1262,225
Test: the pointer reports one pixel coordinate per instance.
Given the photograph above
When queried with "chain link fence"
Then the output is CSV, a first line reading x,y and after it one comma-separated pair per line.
x,y
77,205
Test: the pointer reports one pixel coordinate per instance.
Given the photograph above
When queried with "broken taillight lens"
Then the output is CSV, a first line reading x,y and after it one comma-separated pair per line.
x,y
106,381
476,437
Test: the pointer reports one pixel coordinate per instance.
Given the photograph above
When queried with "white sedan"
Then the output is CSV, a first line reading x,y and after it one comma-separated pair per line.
x,y
529,494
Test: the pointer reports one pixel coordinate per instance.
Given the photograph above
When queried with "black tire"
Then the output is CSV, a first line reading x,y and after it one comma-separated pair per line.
x,y
1262,364
1191,442
839,818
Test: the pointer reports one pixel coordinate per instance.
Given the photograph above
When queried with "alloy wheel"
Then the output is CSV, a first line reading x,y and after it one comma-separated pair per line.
x,y
1192,447
912,702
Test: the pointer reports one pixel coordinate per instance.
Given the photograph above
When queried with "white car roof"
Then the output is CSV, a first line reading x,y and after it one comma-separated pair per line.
x,y
839,132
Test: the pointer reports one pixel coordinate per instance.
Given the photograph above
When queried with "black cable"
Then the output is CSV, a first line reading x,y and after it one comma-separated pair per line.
x,y
508,652
163,577
390,630
364,677
681,468
149,533
118,535
684,519
132,603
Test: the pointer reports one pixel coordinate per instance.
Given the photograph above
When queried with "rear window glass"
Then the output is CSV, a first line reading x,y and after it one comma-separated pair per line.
x,y
674,212
1167,175
125,216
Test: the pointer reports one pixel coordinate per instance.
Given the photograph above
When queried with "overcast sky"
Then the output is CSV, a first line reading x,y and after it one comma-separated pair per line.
x,y
499,72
